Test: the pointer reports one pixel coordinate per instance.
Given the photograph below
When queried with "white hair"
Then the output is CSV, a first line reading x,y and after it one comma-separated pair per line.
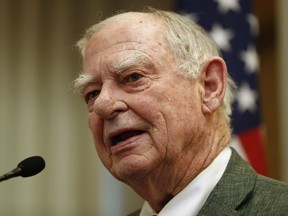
x,y
189,43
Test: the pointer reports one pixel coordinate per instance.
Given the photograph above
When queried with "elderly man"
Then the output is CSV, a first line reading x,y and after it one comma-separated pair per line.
x,y
159,101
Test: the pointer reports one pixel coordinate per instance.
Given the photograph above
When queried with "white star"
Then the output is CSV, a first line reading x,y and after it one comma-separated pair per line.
x,y
250,59
222,37
225,5
246,98
253,22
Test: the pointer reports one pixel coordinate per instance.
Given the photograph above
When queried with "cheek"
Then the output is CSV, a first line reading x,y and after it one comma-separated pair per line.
x,y
95,124
183,119
96,127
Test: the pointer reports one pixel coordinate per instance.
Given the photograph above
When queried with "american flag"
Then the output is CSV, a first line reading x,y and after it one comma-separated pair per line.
x,y
234,28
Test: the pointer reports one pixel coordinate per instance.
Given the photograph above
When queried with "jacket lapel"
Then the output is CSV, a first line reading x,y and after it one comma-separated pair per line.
x,y
232,190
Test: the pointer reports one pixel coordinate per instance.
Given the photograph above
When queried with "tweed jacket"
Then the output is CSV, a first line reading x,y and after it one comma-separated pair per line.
x,y
241,191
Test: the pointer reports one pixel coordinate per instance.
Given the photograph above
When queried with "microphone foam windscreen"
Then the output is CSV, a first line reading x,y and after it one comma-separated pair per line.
x,y
31,166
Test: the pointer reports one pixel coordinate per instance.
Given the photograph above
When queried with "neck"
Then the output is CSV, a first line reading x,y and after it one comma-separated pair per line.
x,y
171,177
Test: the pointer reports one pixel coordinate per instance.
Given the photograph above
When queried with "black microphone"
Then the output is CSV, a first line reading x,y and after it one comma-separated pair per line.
x,y
28,167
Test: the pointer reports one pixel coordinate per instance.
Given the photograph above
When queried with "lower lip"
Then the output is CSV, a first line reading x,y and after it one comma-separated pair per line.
x,y
125,145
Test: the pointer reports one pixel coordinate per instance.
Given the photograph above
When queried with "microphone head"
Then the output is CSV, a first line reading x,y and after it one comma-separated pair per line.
x,y
31,166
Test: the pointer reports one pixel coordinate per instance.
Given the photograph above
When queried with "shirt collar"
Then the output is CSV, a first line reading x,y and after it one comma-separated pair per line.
x,y
190,200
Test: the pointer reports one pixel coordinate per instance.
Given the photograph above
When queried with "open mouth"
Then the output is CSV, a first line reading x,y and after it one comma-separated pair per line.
x,y
124,136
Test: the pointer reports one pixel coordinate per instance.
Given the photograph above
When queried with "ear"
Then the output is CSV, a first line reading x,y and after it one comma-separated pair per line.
x,y
214,76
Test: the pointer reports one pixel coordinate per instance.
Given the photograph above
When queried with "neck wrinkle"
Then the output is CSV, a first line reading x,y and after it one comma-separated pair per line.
x,y
157,191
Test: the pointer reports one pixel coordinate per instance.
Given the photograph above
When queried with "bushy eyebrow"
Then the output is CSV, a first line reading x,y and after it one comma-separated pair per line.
x,y
135,60
81,82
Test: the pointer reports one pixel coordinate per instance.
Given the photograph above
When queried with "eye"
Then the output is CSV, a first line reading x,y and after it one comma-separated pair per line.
x,y
90,96
133,77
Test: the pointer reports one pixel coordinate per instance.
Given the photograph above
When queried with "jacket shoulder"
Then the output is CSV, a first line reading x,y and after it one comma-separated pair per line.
x,y
269,197
241,191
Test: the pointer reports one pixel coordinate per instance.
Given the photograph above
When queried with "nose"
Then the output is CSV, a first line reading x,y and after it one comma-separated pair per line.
x,y
109,102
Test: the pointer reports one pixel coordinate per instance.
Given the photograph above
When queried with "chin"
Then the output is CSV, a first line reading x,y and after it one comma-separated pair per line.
x,y
130,168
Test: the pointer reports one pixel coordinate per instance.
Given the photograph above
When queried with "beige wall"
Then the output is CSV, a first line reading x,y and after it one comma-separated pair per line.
x,y
40,115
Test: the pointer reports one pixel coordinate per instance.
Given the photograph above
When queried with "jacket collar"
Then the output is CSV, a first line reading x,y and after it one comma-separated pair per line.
x,y
232,190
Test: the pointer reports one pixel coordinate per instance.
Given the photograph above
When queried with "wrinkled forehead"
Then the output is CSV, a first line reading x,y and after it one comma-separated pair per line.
x,y
126,34
132,18
127,27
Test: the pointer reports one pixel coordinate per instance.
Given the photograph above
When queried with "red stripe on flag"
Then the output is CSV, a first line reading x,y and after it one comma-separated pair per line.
x,y
253,144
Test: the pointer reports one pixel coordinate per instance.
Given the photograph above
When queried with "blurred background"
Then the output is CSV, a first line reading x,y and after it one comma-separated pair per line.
x,y
40,115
